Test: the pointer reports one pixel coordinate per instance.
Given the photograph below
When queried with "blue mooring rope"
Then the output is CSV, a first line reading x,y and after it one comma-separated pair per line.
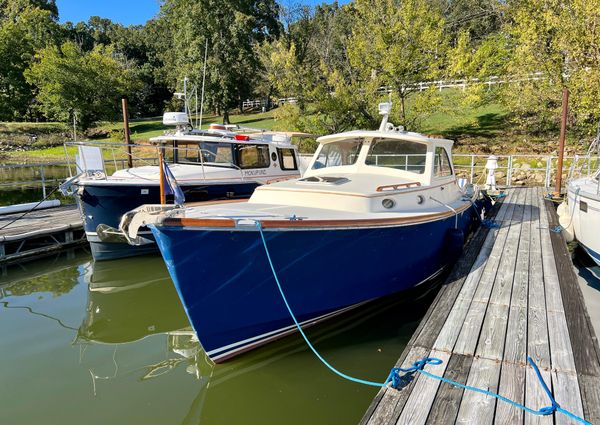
x,y
490,224
395,378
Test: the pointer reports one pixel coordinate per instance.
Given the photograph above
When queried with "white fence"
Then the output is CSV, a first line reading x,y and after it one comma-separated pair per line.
x,y
521,170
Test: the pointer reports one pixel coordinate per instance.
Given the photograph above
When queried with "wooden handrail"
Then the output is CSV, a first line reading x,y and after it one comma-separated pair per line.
x,y
397,186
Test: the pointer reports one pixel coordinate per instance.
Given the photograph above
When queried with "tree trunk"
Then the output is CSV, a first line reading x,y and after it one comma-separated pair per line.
x,y
225,117
402,109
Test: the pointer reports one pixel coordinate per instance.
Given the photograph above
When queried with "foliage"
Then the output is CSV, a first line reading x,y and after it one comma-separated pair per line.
x,y
397,43
71,81
559,39
231,30
20,37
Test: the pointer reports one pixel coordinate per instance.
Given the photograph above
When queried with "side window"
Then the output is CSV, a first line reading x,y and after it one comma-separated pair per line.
x,y
287,159
442,163
253,156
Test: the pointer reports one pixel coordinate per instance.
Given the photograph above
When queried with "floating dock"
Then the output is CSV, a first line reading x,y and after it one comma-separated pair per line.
x,y
39,232
512,294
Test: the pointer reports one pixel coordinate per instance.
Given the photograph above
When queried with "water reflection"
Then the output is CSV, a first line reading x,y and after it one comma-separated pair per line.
x,y
112,339
125,304
130,300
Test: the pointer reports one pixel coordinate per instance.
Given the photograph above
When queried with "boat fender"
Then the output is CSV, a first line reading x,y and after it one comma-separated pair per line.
x,y
566,222
455,239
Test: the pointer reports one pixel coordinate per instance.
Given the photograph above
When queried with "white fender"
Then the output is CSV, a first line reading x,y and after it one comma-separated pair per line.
x,y
566,221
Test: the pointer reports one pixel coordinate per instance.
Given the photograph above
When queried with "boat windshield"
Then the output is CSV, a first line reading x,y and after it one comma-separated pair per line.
x,y
210,153
398,154
335,154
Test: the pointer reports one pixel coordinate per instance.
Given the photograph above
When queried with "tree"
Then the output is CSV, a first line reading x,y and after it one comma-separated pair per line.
x,y
12,9
231,29
70,81
397,43
559,40
20,37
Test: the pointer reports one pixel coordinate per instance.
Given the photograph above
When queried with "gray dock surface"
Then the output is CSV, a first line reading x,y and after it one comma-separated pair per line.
x,y
39,232
512,294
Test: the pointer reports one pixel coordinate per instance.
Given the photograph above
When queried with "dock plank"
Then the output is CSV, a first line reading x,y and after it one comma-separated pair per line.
x,y
520,297
477,408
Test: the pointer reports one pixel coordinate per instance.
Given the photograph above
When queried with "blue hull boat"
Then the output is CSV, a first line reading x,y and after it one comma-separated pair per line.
x,y
376,213
230,295
210,165
106,204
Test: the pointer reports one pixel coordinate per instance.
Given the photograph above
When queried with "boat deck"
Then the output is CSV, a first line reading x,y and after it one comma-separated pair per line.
x,y
39,232
512,294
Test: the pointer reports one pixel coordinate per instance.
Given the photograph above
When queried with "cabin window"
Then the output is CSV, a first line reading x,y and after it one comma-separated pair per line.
x,y
210,153
253,156
398,154
287,159
442,167
335,154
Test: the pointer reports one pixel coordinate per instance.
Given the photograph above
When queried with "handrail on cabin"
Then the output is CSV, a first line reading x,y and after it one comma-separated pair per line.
x,y
397,186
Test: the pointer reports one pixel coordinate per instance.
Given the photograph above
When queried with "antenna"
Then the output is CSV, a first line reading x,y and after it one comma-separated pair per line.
x,y
384,109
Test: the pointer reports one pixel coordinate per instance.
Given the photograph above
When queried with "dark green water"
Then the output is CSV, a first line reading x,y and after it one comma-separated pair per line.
x,y
109,343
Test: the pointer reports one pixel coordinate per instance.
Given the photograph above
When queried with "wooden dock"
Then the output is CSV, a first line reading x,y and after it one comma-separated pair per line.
x,y
512,294
39,232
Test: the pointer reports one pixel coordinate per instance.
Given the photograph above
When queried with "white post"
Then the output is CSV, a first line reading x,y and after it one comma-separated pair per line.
x,y
472,168
43,182
548,172
491,166
203,81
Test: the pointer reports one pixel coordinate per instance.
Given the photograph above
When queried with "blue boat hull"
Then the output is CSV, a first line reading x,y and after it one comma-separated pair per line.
x,y
591,253
103,204
228,291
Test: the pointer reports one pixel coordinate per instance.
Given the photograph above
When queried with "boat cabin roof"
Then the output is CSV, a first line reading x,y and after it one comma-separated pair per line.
x,y
405,156
394,134
224,137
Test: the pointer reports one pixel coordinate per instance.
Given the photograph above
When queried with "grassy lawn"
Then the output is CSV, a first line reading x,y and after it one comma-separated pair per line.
x,y
141,131
480,129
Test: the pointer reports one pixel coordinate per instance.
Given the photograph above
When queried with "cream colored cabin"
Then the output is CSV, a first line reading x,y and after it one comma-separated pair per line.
x,y
385,171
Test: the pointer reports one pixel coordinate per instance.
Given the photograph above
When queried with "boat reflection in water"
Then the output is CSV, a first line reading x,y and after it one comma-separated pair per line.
x,y
127,304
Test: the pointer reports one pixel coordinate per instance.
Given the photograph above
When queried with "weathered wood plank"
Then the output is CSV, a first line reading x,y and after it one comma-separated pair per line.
x,y
424,391
451,329
512,386
493,333
583,341
586,351
566,392
535,397
477,408
447,402
521,277
538,342
471,328
392,400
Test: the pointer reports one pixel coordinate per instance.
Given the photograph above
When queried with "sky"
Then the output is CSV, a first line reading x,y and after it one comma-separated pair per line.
x,y
126,12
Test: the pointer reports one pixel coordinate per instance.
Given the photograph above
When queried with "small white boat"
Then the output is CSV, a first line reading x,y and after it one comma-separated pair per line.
x,y
224,162
580,216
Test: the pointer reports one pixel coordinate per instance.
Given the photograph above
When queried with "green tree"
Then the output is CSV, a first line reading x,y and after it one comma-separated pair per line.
x,y
70,81
397,43
232,29
21,36
12,9
559,40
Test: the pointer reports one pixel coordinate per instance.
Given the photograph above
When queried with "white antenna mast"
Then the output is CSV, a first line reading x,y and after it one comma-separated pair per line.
x,y
203,81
